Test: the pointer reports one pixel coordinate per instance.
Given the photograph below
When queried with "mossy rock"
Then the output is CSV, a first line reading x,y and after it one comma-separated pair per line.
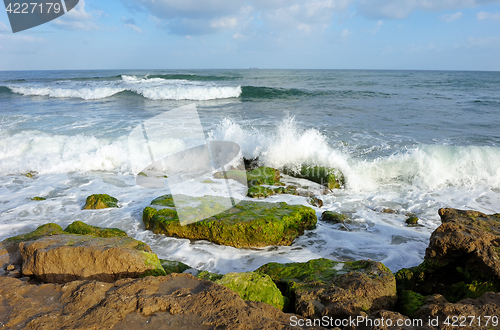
x,y
333,217
48,229
263,192
409,302
254,287
343,288
315,201
236,175
37,198
248,224
100,201
173,266
165,200
81,228
264,175
205,275
329,177
412,221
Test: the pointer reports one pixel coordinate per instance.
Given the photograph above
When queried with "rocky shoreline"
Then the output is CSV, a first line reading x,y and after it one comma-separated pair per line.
x,y
86,277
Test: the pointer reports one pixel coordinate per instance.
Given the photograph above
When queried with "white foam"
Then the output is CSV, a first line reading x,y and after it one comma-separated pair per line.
x,y
154,89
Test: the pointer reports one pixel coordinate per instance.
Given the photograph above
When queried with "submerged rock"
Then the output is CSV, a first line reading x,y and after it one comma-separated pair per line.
x,y
324,287
100,201
248,224
172,302
254,287
333,217
462,260
173,266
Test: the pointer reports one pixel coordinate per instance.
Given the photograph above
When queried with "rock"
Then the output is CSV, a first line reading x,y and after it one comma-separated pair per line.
x,y
172,302
473,313
340,290
330,178
37,198
81,228
205,275
10,267
315,201
411,221
263,192
65,258
248,224
173,266
389,320
264,175
100,201
333,217
254,287
462,260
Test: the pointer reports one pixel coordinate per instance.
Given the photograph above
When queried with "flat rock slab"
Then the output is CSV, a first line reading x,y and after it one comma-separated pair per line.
x,y
248,224
64,258
176,301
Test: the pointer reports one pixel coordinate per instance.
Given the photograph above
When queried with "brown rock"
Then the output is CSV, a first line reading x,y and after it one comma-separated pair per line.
x,y
176,301
482,309
64,258
388,320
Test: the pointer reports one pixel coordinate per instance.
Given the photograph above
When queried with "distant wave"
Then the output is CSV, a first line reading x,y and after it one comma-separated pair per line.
x,y
269,93
5,90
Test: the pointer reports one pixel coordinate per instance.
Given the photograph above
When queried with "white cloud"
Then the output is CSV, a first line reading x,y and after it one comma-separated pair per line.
x,y
79,19
345,33
399,9
130,24
377,27
482,15
484,42
448,18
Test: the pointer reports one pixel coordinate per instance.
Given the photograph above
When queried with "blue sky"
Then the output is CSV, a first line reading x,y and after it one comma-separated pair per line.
x,y
275,34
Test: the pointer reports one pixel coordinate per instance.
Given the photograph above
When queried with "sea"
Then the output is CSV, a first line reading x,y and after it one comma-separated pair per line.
x,y
407,141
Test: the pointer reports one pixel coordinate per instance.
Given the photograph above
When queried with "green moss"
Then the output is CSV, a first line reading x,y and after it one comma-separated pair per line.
x,y
411,221
409,302
260,192
331,178
165,200
236,175
30,174
476,289
254,287
248,224
48,229
209,276
151,260
36,198
173,266
100,201
263,175
81,228
333,217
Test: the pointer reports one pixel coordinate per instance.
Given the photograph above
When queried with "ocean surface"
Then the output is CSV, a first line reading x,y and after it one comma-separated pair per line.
x,y
410,141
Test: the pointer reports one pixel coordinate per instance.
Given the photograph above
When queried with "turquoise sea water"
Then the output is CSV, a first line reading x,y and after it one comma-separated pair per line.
x,y
412,141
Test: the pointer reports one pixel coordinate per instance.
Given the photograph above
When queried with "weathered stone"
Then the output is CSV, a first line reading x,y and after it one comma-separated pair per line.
x,y
254,287
324,287
330,178
172,302
248,224
81,228
64,258
100,201
173,266
333,217
471,313
462,260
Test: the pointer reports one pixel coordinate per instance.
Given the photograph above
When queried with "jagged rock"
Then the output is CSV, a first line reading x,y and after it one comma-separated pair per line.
x,y
173,266
482,309
254,287
172,302
248,224
340,290
462,260
100,201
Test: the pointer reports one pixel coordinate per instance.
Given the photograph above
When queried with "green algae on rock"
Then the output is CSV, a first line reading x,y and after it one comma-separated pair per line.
x,y
409,302
254,287
173,266
81,228
325,287
333,217
38,198
462,260
248,224
100,201
205,275
329,177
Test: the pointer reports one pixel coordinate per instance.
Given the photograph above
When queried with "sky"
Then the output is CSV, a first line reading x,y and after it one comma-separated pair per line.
x,y
268,34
